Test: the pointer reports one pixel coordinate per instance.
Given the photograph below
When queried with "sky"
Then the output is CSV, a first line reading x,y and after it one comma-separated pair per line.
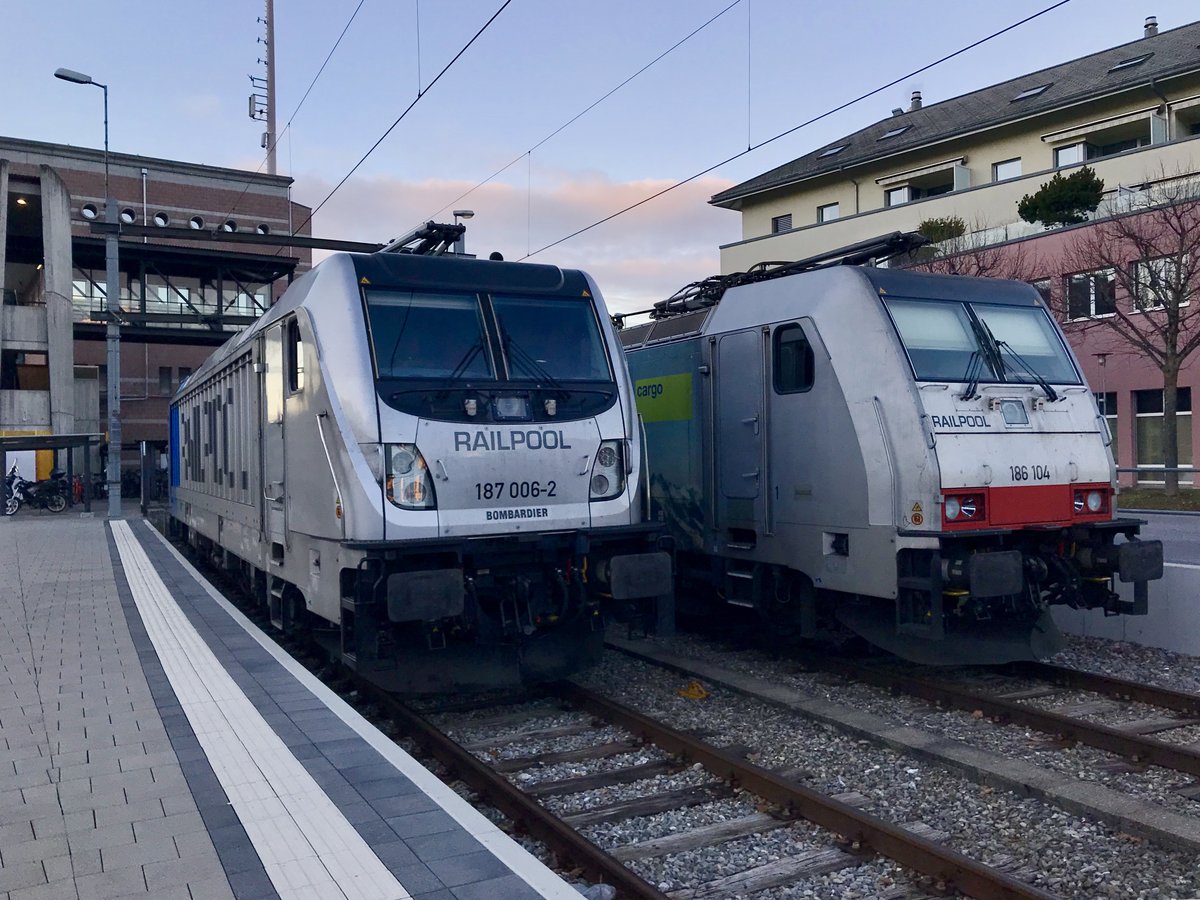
x,y
178,76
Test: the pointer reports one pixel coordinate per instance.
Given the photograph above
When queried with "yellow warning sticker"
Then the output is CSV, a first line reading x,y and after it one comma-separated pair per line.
x,y
917,508
364,280
586,293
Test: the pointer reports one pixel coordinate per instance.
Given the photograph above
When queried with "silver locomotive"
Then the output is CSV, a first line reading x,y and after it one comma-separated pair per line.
x,y
432,463
913,457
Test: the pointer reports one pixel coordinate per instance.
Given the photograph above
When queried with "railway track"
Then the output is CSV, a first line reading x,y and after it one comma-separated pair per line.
x,y
852,834
1131,740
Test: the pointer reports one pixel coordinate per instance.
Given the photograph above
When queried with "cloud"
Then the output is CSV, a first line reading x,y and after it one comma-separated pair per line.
x,y
637,258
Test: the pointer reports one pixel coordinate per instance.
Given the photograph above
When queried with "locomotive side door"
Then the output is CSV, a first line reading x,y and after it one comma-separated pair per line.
x,y
738,429
273,469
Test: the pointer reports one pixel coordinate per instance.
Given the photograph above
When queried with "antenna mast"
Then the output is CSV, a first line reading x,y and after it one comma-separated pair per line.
x,y
262,96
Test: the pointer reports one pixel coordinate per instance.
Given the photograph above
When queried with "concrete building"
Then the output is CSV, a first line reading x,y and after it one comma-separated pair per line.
x,y
188,280
1131,113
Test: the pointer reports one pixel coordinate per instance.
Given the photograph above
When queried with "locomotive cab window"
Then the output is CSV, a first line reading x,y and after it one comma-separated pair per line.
x,y
948,340
423,335
295,357
793,355
550,339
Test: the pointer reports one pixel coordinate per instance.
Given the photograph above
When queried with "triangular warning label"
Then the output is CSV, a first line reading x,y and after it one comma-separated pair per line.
x,y
364,280
586,294
916,507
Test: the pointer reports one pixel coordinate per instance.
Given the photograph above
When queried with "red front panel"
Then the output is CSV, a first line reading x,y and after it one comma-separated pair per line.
x,y
1029,504
1032,504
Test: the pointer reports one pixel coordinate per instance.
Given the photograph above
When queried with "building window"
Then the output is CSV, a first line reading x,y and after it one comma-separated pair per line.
x,y
1148,407
1091,294
794,364
1068,156
1130,63
1157,282
780,224
164,381
184,373
1046,289
828,212
1107,404
896,196
1031,92
1009,168
21,370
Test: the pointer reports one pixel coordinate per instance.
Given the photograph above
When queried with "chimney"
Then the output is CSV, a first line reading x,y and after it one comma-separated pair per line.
x,y
1151,26
897,111
916,101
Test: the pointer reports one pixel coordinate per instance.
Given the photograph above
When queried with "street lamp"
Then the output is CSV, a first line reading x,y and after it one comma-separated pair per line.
x,y
112,290
460,246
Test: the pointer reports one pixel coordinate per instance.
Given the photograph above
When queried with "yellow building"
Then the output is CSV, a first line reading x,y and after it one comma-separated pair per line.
x,y
1132,113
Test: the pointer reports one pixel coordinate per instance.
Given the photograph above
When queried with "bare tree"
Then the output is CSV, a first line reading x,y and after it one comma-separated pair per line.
x,y
976,252
1152,250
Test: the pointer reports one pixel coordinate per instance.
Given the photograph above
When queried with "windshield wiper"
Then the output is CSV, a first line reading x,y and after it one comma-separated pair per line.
x,y
1004,347
527,361
971,376
1051,394
468,357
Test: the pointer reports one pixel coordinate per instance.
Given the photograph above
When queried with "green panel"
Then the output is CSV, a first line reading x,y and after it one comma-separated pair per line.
x,y
667,398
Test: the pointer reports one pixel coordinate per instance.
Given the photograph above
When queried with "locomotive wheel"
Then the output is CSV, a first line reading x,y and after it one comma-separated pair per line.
x,y
56,503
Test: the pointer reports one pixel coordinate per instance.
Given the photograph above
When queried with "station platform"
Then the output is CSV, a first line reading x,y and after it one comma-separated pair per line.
x,y
154,743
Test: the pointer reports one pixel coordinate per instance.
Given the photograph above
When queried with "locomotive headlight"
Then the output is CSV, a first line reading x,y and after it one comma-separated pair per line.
x,y
608,471
409,484
1090,502
964,508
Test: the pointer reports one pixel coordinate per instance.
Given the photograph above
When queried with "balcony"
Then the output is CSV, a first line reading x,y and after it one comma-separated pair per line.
x,y
990,210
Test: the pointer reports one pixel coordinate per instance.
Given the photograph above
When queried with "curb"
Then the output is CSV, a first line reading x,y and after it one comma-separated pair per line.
x,y
1159,512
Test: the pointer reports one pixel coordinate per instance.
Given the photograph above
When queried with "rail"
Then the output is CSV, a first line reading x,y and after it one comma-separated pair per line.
x,y
1102,737
522,808
947,866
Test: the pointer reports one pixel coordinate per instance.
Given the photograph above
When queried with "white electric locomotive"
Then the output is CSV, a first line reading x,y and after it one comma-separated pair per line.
x,y
914,457
432,463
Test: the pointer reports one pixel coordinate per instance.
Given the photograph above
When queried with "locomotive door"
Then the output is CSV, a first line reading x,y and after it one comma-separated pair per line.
x,y
273,469
739,425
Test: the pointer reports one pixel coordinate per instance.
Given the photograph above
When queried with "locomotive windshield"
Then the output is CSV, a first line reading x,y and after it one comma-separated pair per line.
x,y
953,341
428,336
441,354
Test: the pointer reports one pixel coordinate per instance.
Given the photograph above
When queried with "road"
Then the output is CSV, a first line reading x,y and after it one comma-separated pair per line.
x,y
1180,536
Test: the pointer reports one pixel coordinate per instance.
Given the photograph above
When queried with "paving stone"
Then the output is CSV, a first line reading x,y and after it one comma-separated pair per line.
x,y
151,850
33,850
21,875
111,884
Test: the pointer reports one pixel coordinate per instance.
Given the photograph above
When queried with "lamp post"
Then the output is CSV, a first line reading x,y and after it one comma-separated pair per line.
x,y
112,298
460,246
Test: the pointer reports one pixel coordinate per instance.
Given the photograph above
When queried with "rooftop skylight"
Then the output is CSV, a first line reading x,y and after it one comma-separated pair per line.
x,y
893,132
832,151
1031,92
1130,63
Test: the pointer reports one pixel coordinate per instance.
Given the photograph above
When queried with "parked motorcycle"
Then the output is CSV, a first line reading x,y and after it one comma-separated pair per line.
x,y
50,494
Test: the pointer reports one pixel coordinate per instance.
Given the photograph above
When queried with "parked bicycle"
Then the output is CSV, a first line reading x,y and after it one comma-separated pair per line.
x,y
50,494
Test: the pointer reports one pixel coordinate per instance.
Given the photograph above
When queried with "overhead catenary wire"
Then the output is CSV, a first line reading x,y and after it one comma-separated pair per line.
x,y
400,117
586,110
804,124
